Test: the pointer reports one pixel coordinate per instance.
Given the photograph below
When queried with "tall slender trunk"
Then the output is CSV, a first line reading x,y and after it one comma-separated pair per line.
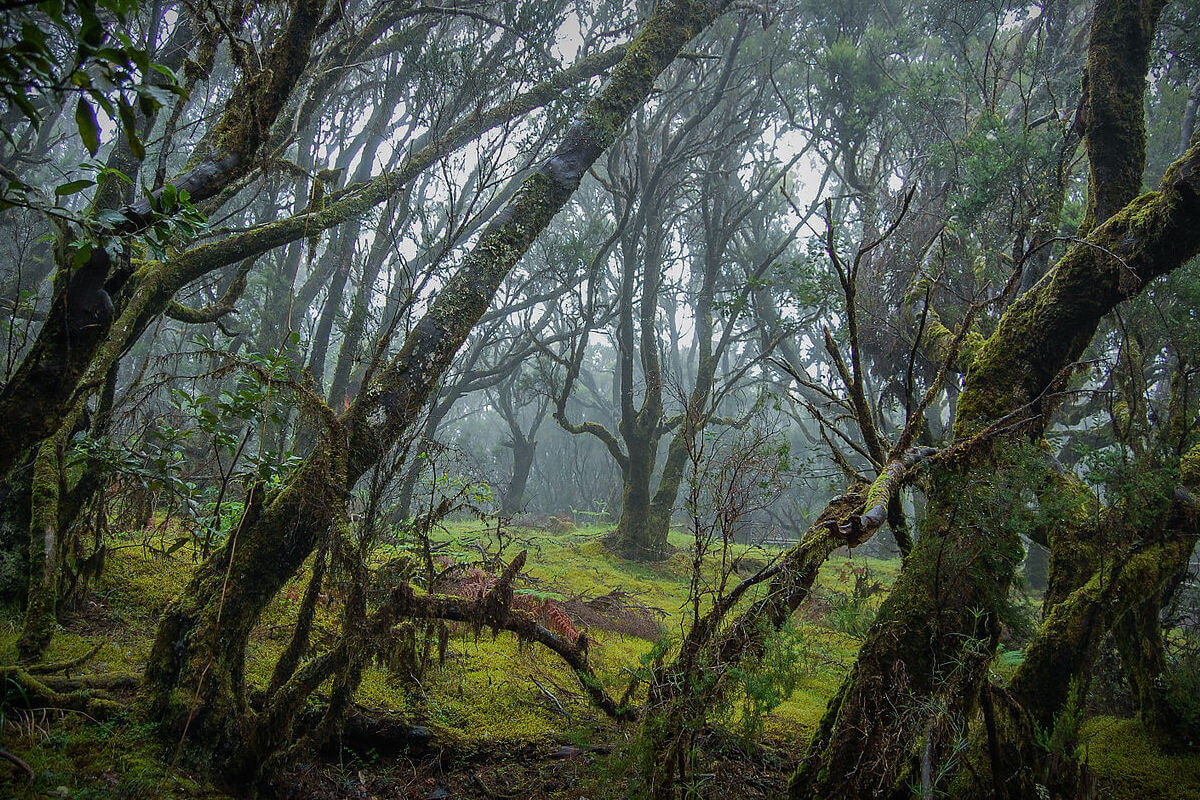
x,y
334,291
340,392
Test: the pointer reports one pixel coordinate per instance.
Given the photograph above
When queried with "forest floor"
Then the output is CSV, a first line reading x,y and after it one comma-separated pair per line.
x,y
493,718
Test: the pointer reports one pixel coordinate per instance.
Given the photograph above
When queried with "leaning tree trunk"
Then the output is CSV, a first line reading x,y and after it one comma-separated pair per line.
x,y
194,678
936,631
42,391
1054,674
926,657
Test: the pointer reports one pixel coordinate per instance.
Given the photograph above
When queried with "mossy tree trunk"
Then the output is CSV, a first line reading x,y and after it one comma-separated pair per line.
x,y
634,445
1139,638
194,678
637,537
641,426
1052,681
45,386
1112,114
644,234
523,451
937,629
696,412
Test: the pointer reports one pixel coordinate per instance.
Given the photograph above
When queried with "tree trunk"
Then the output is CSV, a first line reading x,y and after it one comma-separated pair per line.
x,y
935,633
38,394
514,495
194,678
637,536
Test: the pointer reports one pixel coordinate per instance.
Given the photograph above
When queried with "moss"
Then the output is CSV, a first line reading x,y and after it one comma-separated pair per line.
x,y
1049,326
42,596
142,582
1189,468
117,759
1129,765
1115,126
937,341
484,697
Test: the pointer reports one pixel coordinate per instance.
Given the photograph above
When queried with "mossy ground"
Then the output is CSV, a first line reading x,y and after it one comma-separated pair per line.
x,y
503,714
1130,764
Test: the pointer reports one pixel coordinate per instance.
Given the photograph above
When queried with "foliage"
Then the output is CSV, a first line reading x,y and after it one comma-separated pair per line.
x,y
55,49
1181,695
853,612
766,684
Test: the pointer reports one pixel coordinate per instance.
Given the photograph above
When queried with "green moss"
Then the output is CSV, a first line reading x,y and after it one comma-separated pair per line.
x,y
74,757
141,582
484,696
1189,468
1130,766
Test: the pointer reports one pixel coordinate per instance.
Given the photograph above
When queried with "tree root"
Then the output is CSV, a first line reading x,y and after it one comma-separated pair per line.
x,y
64,666
20,763
84,695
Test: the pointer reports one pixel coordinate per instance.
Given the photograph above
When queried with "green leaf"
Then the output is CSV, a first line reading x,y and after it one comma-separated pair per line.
x,y
81,255
89,129
52,9
165,70
73,187
28,108
129,128
116,173
110,218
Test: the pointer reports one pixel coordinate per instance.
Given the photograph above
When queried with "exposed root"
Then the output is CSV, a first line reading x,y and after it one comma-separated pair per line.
x,y
64,666
78,694
20,764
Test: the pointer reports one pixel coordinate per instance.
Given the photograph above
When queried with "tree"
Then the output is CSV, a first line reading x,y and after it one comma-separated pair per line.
x,y
194,678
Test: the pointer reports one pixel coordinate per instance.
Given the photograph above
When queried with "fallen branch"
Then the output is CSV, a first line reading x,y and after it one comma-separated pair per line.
x,y
495,610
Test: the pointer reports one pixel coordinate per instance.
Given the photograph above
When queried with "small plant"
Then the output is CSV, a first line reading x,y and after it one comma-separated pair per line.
x,y
770,682
1181,697
852,612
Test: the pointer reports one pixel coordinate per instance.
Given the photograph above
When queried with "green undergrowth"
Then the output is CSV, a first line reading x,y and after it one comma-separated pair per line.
x,y
496,690
491,693
73,756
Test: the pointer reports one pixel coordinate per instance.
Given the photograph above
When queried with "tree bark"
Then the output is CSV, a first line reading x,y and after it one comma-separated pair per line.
x,y
40,391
